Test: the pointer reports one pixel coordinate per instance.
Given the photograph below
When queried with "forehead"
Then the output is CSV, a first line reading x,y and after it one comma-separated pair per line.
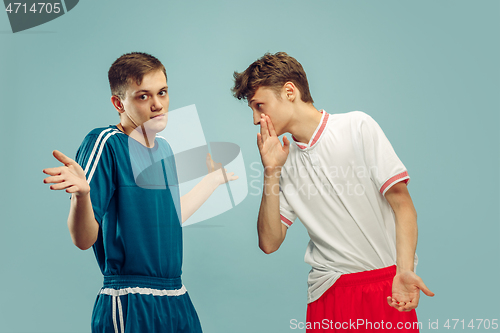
x,y
151,81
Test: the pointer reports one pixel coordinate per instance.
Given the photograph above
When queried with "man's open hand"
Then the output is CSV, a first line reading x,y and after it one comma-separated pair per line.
x,y
69,177
221,176
406,288
272,153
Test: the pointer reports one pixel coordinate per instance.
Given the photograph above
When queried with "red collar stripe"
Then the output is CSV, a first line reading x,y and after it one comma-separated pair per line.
x,y
323,125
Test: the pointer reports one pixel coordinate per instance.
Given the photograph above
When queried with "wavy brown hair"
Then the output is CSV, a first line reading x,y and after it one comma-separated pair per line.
x,y
273,71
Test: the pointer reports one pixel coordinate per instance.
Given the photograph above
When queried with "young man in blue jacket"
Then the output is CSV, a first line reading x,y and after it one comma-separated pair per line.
x,y
126,204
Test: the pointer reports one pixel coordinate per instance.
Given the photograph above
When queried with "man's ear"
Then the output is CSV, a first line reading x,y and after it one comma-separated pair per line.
x,y
290,91
117,103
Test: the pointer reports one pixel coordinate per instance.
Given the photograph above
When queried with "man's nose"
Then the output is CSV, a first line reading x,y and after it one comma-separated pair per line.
x,y
156,106
256,118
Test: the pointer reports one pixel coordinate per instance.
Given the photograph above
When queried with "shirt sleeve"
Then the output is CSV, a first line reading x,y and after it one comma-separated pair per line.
x,y
288,216
96,158
385,167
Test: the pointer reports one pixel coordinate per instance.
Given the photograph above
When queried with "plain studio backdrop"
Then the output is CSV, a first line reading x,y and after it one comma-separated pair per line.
x,y
426,71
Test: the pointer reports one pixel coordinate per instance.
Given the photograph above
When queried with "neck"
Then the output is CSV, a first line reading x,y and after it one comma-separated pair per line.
x,y
140,134
304,122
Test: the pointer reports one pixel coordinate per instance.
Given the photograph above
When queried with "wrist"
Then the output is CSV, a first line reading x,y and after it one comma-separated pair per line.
x,y
272,172
213,179
403,269
271,180
82,195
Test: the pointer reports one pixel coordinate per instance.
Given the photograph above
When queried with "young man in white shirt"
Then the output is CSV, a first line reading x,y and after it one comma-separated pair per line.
x,y
343,180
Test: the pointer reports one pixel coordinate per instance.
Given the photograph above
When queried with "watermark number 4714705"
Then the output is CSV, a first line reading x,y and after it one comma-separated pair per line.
x,y
36,8
31,13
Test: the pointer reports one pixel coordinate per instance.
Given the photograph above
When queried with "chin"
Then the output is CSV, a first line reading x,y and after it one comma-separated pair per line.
x,y
155,126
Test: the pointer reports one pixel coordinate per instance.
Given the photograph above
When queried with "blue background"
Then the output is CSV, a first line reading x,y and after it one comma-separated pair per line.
x,y
427,71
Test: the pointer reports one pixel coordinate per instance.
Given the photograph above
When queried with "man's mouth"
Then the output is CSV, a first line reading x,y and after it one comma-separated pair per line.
x,y
158,116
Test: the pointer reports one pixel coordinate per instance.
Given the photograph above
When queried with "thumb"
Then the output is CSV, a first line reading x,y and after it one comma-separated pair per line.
x,y
259,141
424,289
286,144
209,163
62,158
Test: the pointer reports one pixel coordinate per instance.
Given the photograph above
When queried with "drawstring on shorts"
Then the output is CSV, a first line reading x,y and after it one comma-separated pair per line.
x,y
116,299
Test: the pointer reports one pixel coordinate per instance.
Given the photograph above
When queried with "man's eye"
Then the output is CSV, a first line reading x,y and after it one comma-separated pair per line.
x,y
163,93
143,97
259,105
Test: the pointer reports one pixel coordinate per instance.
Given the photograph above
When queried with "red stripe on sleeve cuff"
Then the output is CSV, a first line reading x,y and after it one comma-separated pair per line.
x,y
394,180
285,220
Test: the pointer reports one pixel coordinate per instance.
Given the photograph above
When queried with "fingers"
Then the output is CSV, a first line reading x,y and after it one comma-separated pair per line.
x,y
259,141
62,158
286,144
270,125
210,163
408,306
61,186
54,171
231,176
391,302
264,130
402,306
227,176
397,305
69,186
53,179
72,189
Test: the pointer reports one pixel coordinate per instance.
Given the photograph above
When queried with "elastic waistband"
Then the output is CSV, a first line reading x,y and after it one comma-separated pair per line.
x,y
127,281
375,275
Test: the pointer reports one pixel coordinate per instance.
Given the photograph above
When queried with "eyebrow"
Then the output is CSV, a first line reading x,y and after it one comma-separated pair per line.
x,y
146,91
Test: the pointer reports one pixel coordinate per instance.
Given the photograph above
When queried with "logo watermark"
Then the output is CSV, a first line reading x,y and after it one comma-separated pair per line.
x,y
182,158
359,324
28,14
308,183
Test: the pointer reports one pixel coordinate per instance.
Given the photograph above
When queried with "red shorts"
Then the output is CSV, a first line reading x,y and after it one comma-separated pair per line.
x,y
357,302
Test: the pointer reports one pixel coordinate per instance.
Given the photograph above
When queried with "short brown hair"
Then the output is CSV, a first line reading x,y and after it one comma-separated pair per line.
x,y
131,66
273,71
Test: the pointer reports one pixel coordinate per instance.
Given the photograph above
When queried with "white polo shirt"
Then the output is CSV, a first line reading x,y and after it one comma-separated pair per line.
x,y
335,185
